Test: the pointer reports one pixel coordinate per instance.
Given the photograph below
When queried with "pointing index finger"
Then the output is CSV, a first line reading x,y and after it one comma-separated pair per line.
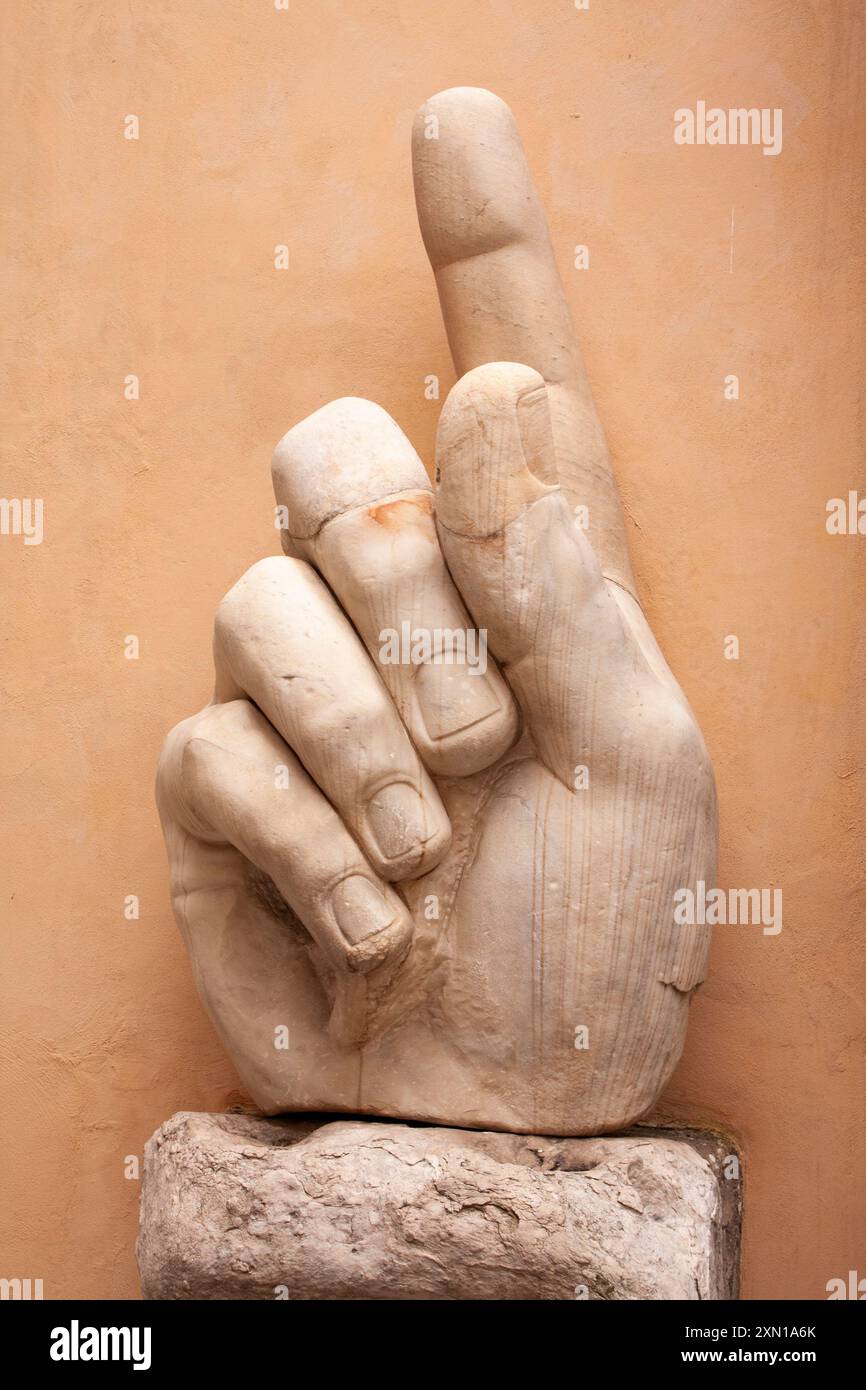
x,y
501,295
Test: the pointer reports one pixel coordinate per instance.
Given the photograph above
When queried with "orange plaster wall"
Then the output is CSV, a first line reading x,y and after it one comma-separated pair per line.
x,y
155,257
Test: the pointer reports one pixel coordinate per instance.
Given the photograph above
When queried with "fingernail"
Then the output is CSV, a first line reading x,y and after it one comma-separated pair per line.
x,y
361,909
450,699
398,820
536,434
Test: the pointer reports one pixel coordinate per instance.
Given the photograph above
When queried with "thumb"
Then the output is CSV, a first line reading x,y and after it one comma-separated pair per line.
x,y
525,569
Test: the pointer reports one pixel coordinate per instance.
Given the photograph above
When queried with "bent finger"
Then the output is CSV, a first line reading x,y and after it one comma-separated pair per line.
x,y
229,778
359,508
283,640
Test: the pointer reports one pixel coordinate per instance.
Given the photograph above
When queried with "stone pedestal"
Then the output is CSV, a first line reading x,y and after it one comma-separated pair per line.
x,y
240,1207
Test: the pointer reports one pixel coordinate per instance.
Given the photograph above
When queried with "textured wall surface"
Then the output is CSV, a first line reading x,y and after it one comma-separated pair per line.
x,y
155,257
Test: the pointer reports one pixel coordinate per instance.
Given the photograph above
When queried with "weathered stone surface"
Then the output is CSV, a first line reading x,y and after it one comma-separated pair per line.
x,y
455,881
242,1207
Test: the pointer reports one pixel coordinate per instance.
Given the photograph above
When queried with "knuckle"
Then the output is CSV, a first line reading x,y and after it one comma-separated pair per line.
x,y
362,716
170,767
275,573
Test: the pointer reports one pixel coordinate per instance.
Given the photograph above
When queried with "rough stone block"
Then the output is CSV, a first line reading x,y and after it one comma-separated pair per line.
x,y
242,1207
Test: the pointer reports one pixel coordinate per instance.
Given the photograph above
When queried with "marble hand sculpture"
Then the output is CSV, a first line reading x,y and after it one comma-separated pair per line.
x,y
426,837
